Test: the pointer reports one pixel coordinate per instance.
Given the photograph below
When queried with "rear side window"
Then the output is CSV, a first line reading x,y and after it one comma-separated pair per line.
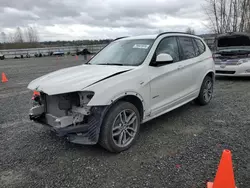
x,y
200,45
187,47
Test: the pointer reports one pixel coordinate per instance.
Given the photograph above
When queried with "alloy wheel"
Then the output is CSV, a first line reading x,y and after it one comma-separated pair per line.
x,y
208,91
125,127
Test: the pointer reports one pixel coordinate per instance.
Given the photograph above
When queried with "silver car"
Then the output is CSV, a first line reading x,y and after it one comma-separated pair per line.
x,y
232,55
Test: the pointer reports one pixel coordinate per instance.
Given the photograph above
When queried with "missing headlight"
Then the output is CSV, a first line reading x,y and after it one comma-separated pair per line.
x,y
85,97
68,100
89,96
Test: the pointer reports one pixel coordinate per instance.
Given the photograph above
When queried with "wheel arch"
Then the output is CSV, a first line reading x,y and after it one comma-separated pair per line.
x,y
209,73
133,98
104,135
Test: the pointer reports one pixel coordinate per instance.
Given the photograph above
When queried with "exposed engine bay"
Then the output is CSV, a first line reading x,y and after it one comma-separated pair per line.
x,y
232,48
231,56
68,115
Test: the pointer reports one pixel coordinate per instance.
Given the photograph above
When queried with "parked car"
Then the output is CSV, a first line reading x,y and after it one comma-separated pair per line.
x,y
129,82
2,56
83,52
58,53
27,55
232,56
38,54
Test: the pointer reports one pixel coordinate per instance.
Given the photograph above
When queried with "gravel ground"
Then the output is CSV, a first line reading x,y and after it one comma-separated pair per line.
x,y
179,149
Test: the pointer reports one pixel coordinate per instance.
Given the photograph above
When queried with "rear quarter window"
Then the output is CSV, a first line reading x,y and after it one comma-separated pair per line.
x,y
196,48
200,45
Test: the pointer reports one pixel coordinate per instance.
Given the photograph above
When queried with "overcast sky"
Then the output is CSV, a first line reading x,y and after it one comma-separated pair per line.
x,y
89,19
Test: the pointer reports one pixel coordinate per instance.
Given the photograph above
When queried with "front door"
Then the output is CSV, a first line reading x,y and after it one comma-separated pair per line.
x,y
166,81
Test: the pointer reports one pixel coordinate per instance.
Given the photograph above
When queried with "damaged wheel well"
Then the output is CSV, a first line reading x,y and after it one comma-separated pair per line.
x,y
135,101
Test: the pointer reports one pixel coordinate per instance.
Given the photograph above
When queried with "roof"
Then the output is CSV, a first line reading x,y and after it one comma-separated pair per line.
x,y
141,37
154,36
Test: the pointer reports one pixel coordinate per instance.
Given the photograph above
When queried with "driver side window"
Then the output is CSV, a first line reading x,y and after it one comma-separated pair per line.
x,y
169,45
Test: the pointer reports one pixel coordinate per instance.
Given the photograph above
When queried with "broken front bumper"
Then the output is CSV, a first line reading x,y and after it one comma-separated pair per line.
x,y
86,133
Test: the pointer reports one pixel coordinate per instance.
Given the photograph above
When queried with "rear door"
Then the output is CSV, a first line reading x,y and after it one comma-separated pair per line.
x,y
192,68
204,61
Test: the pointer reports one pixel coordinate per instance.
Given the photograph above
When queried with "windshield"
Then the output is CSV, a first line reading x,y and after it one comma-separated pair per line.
x,y
123,52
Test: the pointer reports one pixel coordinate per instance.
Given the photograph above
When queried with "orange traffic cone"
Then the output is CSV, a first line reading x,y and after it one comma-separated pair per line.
x,y
4,78
225,176
76,57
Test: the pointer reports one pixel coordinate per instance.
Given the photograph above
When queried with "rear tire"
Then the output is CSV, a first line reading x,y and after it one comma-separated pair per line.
x,y
206,91
120,127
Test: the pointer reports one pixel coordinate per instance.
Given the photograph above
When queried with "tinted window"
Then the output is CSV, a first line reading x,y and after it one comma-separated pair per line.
x,y
187,46
169,45
196,48
200,45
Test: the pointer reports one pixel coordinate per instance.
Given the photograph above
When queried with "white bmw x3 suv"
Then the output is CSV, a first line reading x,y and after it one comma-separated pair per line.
x,y
131,81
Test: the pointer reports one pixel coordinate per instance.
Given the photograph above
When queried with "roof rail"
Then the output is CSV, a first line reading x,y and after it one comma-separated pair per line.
x,y
172,32
120,38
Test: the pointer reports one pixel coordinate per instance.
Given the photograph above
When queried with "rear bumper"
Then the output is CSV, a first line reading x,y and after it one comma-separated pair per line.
x,y
87,134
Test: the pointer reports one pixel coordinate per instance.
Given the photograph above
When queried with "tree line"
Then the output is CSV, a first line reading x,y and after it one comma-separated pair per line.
x,y
21,38
225,16
228,15
29,38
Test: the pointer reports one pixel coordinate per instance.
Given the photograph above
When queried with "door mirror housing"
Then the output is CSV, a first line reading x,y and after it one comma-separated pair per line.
x,y
164,58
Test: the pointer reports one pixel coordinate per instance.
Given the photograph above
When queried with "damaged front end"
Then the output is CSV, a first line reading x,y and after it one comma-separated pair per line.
x,y
69,115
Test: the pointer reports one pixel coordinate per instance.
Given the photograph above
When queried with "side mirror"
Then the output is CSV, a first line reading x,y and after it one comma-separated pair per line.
x,y
164,58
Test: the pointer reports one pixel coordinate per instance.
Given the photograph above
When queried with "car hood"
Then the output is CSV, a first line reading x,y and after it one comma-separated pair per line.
x,y
232,41
75,78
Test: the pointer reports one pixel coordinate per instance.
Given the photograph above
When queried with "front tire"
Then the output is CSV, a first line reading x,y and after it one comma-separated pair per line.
x,y
206,91
120,127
